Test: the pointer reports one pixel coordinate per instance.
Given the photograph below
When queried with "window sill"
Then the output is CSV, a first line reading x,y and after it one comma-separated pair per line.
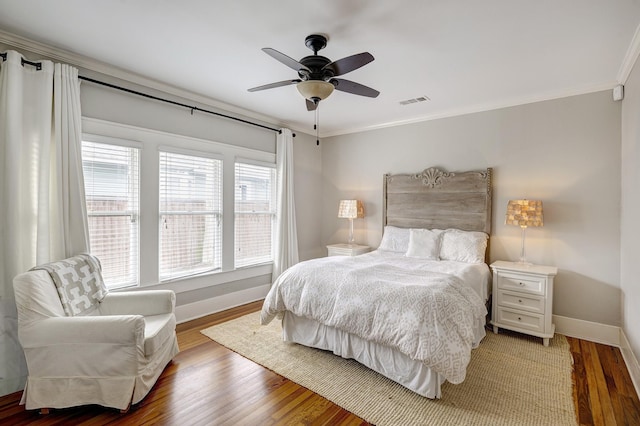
x,y
181,285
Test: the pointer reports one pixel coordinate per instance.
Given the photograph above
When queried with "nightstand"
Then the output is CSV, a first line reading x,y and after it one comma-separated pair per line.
x,y
522,298
347,249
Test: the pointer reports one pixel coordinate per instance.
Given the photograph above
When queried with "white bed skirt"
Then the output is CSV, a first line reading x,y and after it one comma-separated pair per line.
x,y
392,364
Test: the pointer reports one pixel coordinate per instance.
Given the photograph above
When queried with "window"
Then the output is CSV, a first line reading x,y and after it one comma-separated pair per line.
x,y
180,219
111,181
190,215
255,213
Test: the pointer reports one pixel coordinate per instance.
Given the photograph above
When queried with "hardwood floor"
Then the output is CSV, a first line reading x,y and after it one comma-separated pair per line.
x,y
207,384
603,392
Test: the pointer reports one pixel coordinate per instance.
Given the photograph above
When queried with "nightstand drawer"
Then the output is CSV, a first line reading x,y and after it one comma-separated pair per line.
x,y
521,320
519,282
521,301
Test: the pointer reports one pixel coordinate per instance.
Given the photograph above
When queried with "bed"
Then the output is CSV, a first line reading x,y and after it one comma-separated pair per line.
x,y
414,308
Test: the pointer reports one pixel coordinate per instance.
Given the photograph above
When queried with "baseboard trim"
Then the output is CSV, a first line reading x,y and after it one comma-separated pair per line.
x,y
630,360
210,306
587,330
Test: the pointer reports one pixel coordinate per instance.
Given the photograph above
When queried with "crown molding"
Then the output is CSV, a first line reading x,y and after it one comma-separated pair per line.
x,y
478,108
630,57
93,65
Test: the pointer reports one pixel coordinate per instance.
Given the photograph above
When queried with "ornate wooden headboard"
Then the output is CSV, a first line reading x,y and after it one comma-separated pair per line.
x,y
436,199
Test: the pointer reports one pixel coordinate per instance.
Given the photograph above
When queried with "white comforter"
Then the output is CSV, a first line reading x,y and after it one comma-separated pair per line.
x,y
392,300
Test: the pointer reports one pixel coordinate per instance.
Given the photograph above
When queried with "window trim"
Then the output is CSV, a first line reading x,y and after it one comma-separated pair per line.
x,y
260,163
274,214
218,215
107,140
91,137
190,152
149,140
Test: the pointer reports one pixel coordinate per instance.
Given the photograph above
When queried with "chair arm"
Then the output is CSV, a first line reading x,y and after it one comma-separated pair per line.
x,y
114,329
145,302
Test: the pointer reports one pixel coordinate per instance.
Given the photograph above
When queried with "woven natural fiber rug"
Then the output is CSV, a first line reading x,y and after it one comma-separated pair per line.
x,y
511,380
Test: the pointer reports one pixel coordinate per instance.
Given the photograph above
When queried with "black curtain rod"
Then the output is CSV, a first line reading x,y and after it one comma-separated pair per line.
x,y
23,61
38,66
192,108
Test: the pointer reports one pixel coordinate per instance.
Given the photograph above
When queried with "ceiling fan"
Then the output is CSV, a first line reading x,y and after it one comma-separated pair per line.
x,y
317,74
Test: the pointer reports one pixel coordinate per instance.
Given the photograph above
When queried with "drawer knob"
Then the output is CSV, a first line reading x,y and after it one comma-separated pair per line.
x,y
519,319
520,283
519,300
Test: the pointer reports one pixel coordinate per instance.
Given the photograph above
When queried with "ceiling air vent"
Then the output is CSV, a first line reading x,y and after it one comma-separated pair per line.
x,y
415,100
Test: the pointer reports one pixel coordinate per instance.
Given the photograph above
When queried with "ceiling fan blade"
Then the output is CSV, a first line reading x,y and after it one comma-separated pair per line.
x,y
350,63
274,85
353,87
290,62
311,106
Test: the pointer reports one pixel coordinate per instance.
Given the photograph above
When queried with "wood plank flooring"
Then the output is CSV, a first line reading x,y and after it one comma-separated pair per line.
x,y
603,392
207,384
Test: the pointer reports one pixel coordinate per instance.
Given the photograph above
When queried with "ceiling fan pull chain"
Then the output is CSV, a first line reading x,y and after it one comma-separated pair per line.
x,y
316,126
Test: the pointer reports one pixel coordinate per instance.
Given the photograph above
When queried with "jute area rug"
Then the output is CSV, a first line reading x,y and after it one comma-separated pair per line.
x,y
511,380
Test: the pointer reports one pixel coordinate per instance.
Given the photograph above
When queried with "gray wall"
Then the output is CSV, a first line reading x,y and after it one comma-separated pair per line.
x,y
565,152
308,192
630,225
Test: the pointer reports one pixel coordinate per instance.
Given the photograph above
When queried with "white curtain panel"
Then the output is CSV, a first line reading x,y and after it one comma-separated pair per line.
x,y
286,244
71,210
42,212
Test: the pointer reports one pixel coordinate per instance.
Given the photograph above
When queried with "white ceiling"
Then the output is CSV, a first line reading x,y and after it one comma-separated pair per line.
x,y
465,55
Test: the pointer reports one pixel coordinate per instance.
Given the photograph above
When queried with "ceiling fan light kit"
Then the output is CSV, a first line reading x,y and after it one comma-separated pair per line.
x,y
315,90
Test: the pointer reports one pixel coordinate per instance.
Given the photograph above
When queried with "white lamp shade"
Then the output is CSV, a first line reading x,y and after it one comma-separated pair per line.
x,y
351,209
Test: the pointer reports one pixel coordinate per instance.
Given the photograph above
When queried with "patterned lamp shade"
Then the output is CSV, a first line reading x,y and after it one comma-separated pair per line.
x,y
524,213
351,209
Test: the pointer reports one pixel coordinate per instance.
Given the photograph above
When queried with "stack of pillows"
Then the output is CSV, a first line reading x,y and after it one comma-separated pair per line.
x,y
436,244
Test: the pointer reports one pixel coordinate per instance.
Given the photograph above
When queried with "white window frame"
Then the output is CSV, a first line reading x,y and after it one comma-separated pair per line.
x,y
273,212
134,242
218,216
151,141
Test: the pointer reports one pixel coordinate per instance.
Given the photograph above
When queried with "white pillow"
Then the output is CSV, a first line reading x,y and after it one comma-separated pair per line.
x,y
424,244
463,246
395,239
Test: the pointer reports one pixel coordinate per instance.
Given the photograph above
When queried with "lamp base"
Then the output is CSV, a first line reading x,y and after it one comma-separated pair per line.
x,y
523,259
351,239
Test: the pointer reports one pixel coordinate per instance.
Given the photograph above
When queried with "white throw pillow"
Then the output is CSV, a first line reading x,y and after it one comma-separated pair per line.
x,y
424,244
395,239
463,246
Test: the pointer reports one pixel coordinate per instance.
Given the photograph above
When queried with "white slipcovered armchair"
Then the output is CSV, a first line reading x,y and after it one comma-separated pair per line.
x,y
84,345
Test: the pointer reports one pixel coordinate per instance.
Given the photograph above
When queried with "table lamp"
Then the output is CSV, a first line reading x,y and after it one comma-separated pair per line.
x,y
524,213
351,209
